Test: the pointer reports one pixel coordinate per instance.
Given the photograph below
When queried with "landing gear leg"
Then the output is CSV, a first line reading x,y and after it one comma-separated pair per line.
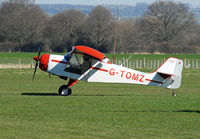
x,y
65,90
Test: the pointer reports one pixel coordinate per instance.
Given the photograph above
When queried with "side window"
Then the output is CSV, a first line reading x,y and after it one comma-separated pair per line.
x,y
75,60
79,63
86,63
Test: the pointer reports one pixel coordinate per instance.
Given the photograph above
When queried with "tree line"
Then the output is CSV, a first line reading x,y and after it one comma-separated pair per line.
x,y
166,27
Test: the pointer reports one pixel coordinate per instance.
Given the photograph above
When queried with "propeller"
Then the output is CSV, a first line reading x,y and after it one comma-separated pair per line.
x,y
37,58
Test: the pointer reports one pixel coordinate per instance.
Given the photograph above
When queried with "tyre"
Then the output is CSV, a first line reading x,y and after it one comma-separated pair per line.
x,y
64,90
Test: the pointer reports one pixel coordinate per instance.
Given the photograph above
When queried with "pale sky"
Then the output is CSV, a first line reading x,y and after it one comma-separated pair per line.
x,y
116,2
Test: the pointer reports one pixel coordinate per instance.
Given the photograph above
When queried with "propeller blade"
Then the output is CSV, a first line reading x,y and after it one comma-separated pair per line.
x,y
36,65
37,58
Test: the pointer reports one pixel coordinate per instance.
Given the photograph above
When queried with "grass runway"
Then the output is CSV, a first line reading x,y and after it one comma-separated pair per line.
x,y
96,110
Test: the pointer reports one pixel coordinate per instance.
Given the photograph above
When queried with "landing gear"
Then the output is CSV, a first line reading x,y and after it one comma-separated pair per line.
x,y
64,90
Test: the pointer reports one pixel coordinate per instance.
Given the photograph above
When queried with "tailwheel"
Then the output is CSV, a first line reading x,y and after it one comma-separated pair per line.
x,y
173,93
64,90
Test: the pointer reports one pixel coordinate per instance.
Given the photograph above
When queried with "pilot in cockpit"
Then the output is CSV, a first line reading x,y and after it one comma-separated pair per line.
x,y
87,62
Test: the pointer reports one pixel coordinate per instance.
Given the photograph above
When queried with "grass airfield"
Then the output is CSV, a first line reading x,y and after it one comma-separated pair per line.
x,y
96,110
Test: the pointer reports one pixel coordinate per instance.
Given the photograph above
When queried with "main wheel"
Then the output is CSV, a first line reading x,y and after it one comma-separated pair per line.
x,y
64,90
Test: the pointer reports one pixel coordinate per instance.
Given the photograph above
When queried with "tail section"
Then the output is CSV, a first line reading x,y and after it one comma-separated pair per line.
x,y
169,73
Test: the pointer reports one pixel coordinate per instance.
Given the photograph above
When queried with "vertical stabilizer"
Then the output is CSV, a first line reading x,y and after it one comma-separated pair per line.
x,y
171,71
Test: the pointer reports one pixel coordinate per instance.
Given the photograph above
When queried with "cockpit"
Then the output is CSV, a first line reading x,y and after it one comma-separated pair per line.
x,y
79,62
81,58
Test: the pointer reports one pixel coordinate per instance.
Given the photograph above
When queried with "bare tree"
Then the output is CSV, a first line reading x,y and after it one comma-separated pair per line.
x,y
163,22
126,37
21,22
100,26
65,29
188,41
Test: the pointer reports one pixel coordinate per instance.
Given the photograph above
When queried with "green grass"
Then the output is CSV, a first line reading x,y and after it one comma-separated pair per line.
x,y
27,58
18,57
96,110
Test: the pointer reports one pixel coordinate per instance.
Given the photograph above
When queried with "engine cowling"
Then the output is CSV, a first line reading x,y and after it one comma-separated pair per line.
x,y
44,61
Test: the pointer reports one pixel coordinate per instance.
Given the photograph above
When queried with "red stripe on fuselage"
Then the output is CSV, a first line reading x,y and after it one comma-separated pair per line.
x,y
58,61
99,69
154,81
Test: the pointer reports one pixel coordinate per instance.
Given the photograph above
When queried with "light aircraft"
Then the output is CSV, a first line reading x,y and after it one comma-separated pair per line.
x,y
87,64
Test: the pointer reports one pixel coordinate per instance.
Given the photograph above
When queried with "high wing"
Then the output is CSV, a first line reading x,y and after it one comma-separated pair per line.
x,y
84,50
89,51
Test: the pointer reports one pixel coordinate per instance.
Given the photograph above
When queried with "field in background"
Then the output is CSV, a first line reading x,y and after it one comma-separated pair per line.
x,y
15,58
27,58
96,110
154,56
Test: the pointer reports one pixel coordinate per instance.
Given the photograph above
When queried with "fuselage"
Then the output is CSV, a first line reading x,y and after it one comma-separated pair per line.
x,y
100,71
87,64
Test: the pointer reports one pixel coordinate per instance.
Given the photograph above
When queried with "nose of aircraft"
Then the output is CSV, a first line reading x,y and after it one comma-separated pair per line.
x,y
44,60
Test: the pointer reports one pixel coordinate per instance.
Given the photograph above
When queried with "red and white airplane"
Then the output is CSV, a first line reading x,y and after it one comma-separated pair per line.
x,y
87,64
